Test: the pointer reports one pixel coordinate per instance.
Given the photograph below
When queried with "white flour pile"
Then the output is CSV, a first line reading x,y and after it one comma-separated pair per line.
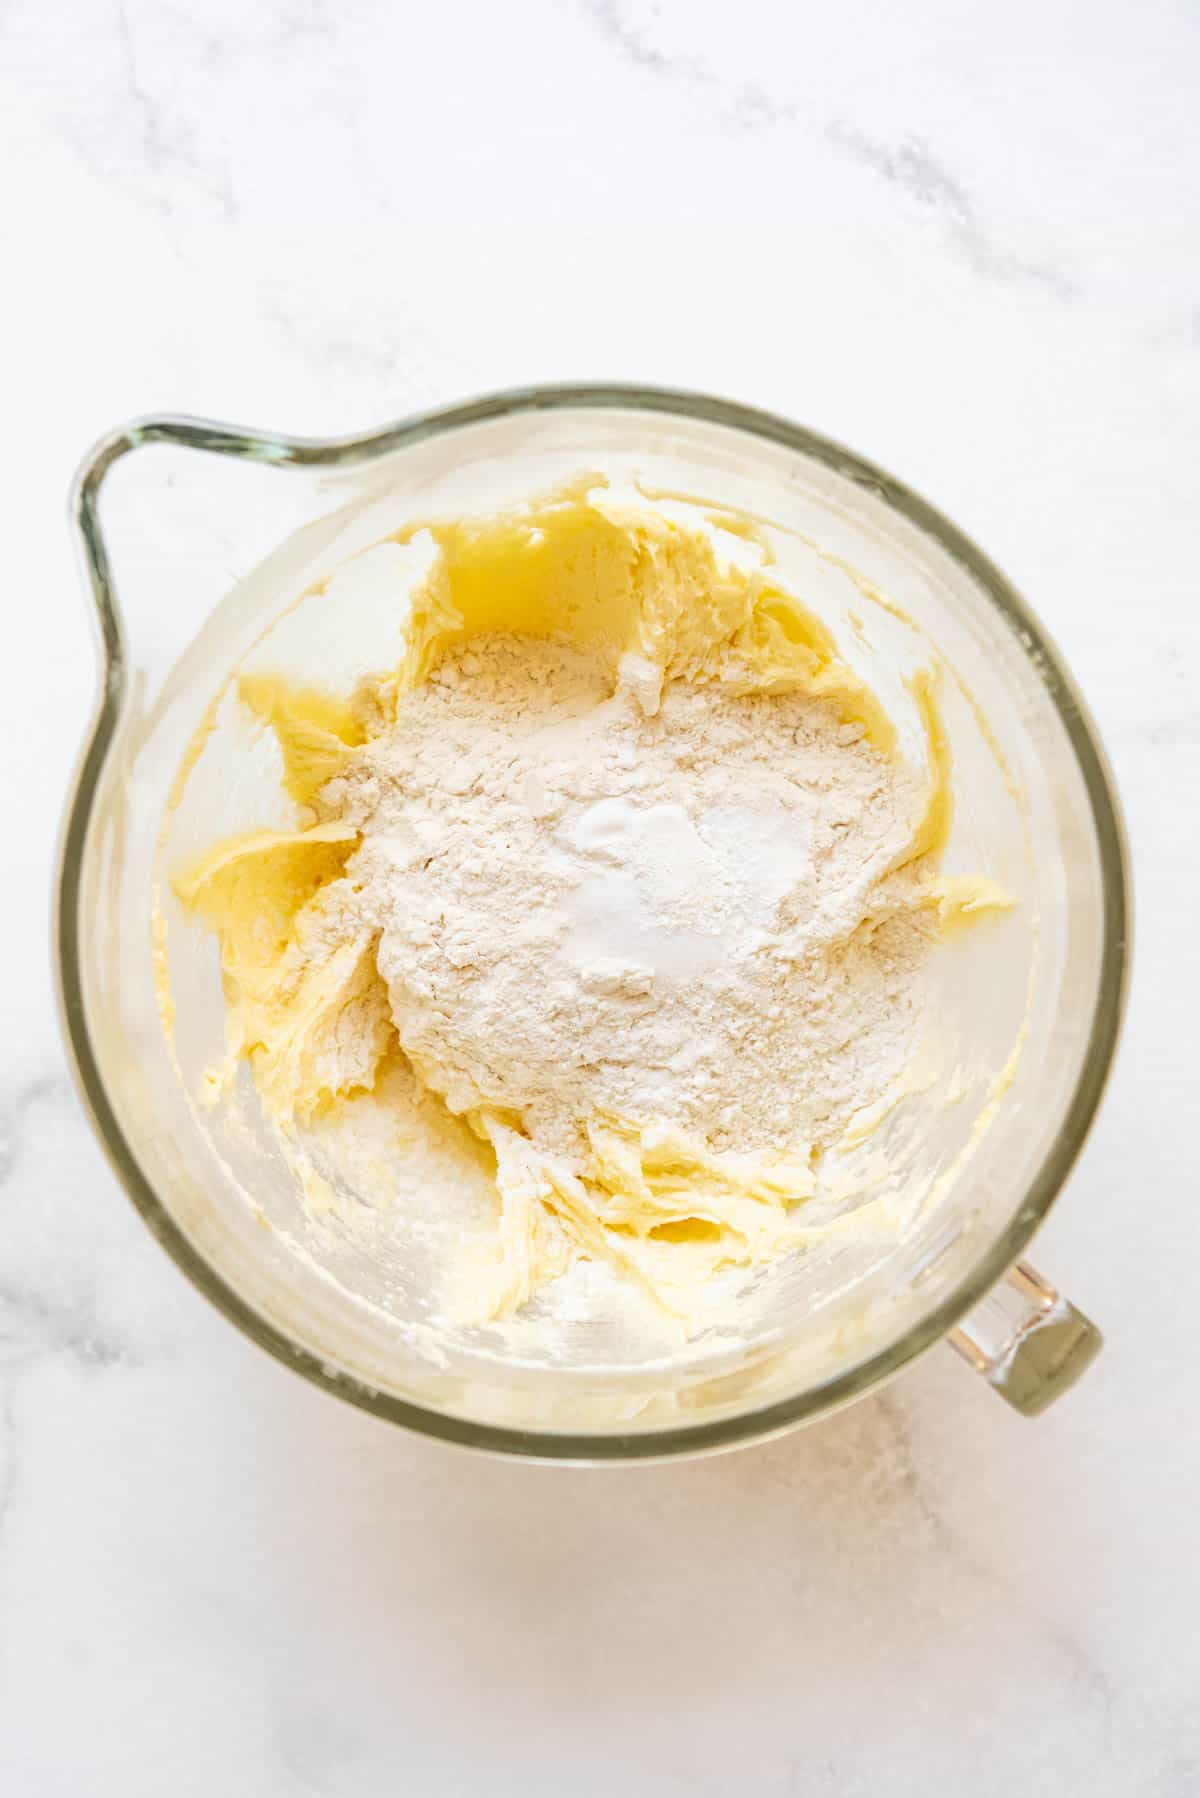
x,y
683,919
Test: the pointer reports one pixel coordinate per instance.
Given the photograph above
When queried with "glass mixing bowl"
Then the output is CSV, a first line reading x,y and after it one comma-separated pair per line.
x,y
202,503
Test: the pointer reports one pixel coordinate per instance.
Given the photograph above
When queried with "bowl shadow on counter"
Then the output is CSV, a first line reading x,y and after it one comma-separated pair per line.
x,y
640,1587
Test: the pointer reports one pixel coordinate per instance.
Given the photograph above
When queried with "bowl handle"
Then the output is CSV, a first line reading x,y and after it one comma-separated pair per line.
x,y
1029,1343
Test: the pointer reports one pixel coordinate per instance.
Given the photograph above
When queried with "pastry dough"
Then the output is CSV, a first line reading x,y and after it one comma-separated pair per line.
x,y
658,602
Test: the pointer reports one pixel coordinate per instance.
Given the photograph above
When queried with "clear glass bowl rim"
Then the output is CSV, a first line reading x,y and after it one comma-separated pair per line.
x,y
345,452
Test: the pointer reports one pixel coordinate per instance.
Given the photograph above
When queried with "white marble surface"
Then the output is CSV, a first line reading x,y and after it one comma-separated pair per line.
x,y
961,239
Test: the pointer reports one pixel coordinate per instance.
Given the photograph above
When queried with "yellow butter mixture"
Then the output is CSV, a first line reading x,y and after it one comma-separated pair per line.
x,y
622,861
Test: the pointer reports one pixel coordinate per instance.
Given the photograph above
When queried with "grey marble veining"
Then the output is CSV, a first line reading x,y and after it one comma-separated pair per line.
x,y
958,240
912,167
